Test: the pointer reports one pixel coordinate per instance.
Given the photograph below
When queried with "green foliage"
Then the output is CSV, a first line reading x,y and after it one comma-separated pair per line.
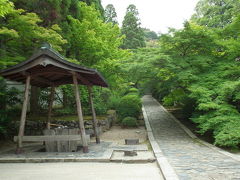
x,y
130,105
215,13
4,123
110,14
193,39
8,99
56,11
113,102
138,68
129,122
150,35
197,68
229,135
20,29
99,97
5,7
64,111
8,96
174,97
134,36
92,40
134,91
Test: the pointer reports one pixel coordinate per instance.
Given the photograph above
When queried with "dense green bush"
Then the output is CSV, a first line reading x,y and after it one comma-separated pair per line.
x,y
6,117
113,102
4,121
100,106
133,91
8,100
130,105
129,122
65,111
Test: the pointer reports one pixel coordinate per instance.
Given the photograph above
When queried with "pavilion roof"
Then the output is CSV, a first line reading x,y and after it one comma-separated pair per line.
x,y
48,68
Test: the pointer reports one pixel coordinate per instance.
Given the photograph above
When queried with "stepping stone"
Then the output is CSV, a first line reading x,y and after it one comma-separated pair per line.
x,y
130,153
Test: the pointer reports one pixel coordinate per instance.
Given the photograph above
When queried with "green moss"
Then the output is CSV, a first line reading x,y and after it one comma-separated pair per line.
x,y
63,118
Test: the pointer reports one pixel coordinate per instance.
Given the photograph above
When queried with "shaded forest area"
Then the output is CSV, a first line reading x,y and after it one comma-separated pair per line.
x,y
195,68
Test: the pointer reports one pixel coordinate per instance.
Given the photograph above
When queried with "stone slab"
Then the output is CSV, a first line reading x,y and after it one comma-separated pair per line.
x,y
131,141
140,147
142,157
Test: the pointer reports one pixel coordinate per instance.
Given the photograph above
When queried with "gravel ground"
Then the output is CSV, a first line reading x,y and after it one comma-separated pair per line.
x,y
118,135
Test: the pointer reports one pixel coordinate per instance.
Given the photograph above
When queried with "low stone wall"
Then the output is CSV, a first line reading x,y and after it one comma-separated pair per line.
x,y
37,127
111,119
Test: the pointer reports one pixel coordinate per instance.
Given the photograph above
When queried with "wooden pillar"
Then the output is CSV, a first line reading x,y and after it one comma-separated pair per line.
x,y
80,115
50,105
94,118
23,115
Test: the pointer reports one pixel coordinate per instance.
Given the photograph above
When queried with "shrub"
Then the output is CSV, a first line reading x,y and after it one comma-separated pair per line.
x,y
4,121
129,122
100,107
134,91
65,111
113,102
130,105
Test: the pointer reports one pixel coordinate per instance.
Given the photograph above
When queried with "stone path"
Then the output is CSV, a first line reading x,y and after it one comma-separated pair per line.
x,y
189,158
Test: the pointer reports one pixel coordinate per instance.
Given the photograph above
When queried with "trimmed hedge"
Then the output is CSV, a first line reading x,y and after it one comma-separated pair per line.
x,y
129,122
129,106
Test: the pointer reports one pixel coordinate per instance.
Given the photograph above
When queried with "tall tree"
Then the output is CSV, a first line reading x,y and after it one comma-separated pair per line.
x,y
110,14
215,13
92,40
132,30
56,11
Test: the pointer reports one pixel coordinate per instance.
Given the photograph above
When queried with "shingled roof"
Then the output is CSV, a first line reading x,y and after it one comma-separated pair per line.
x,y
48,68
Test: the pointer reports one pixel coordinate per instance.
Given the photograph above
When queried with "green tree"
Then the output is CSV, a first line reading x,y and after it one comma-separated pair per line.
x,y
132,30
92,40
195,68
193,39
56,11
19,29
150,35
215,13
110,14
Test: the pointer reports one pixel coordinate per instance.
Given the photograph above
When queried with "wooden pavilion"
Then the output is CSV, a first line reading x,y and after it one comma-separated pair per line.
x,y
47,68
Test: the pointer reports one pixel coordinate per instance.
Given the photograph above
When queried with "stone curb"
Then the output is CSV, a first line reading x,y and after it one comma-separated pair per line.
x,y
166,169
49,160
140,161
56,160
193,136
